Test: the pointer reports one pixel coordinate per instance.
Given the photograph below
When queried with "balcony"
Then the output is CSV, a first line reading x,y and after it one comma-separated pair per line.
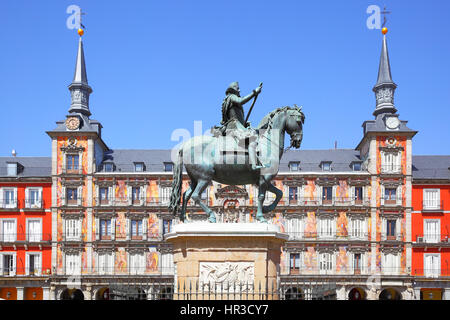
x,y
431,273
25,272
8,204
391,169
315,236
432,206
391,237
117,271
392,202
320,201
33,204
72,202
432,240
316,271
129,201
25,238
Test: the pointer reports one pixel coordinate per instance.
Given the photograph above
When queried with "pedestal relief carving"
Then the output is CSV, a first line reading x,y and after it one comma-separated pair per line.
x,y
227,276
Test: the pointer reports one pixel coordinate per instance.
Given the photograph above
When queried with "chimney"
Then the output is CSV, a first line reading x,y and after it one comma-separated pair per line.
x,y
13,152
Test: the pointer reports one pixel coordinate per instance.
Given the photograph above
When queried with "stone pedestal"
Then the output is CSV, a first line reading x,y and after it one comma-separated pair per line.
x,y
226,260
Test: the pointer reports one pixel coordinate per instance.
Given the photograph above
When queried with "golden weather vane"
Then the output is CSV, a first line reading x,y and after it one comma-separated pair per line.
x,y
81,27
384,30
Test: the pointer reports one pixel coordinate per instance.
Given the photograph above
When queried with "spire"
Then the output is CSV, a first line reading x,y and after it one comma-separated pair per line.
x,y
79,88
385,87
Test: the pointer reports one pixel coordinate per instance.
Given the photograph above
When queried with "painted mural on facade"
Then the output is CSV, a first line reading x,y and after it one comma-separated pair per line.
x,y
121,226
310,190
279,221
151,264
121,192
310,259
342,190
153,226
342,225
120,262
342,261
310,225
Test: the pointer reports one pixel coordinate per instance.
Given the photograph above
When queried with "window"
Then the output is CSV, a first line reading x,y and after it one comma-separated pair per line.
x,y
293,198
72,162
105,229
33,198
326,227
108,167
357,263
73,229
33,264
326,166
11,169
168,166
294,228
8,264
390,196
138,166
72,196
431,199
105,263
390,263
294,166
137,263
165,194
73,265
136,229
294,264
432,230
34,230
356,166
103,193
327,195
390,162
357,228
358,195
135,195
8,230
390,229
9,198
432,265
167,225
325,262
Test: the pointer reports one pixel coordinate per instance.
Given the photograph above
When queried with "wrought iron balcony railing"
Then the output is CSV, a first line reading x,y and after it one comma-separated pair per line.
x,y
312,236
391,169
324,201
431,272
29,238
333,270
24,272
104,270
432,238
428,205
8,204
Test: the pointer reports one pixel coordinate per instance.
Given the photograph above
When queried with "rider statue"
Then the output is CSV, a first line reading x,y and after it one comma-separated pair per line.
x,y
233,122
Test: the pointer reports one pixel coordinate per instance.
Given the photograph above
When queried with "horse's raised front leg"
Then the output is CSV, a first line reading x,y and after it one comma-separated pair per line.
x,y
278,195
201,186
261,196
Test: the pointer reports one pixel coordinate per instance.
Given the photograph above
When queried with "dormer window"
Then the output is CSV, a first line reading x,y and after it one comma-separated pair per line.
x,y
168,166
294,166
139,167
12,169
326,166
108,167
356,166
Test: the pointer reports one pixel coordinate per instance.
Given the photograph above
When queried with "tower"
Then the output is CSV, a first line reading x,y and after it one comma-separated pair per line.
x,y
386,151
77,150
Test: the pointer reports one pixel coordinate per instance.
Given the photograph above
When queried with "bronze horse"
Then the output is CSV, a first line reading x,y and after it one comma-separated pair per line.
x,y
208,158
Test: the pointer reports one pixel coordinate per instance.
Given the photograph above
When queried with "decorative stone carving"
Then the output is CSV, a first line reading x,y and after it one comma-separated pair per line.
x,y
384,95
227,276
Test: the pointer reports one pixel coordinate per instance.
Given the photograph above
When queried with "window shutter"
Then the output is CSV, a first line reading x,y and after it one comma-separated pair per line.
x,y
97,195
127,228
37,264
110,195
130,195
398,162
399,195
334,195
27,198
352,194
15,198
383,229
40,200
113,228
64,196
2,205
397,228
97,229
80,163
79,195
382,194
144,227
78,229
27,264
141,195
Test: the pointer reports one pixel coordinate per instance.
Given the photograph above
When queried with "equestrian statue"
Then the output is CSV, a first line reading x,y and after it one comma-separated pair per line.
x,y
236,153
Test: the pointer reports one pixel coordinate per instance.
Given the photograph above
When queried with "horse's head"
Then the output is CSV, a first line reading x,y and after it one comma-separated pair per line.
x,y
294,125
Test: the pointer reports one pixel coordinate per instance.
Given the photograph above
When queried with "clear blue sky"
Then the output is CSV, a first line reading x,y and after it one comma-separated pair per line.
x,y
148,61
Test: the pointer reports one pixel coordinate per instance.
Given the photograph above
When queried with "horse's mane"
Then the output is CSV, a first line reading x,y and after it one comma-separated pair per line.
x,y
266,122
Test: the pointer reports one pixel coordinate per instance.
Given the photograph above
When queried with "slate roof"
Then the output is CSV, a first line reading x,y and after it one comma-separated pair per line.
x,y
431,167
28,166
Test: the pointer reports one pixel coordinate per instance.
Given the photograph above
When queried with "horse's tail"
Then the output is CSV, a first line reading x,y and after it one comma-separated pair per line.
x,y
175,196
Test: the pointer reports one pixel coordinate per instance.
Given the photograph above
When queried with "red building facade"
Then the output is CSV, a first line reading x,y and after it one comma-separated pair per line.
x,y
431,227
25,227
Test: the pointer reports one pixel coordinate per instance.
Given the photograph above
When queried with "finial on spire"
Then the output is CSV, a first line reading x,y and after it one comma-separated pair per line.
x,y
81,27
